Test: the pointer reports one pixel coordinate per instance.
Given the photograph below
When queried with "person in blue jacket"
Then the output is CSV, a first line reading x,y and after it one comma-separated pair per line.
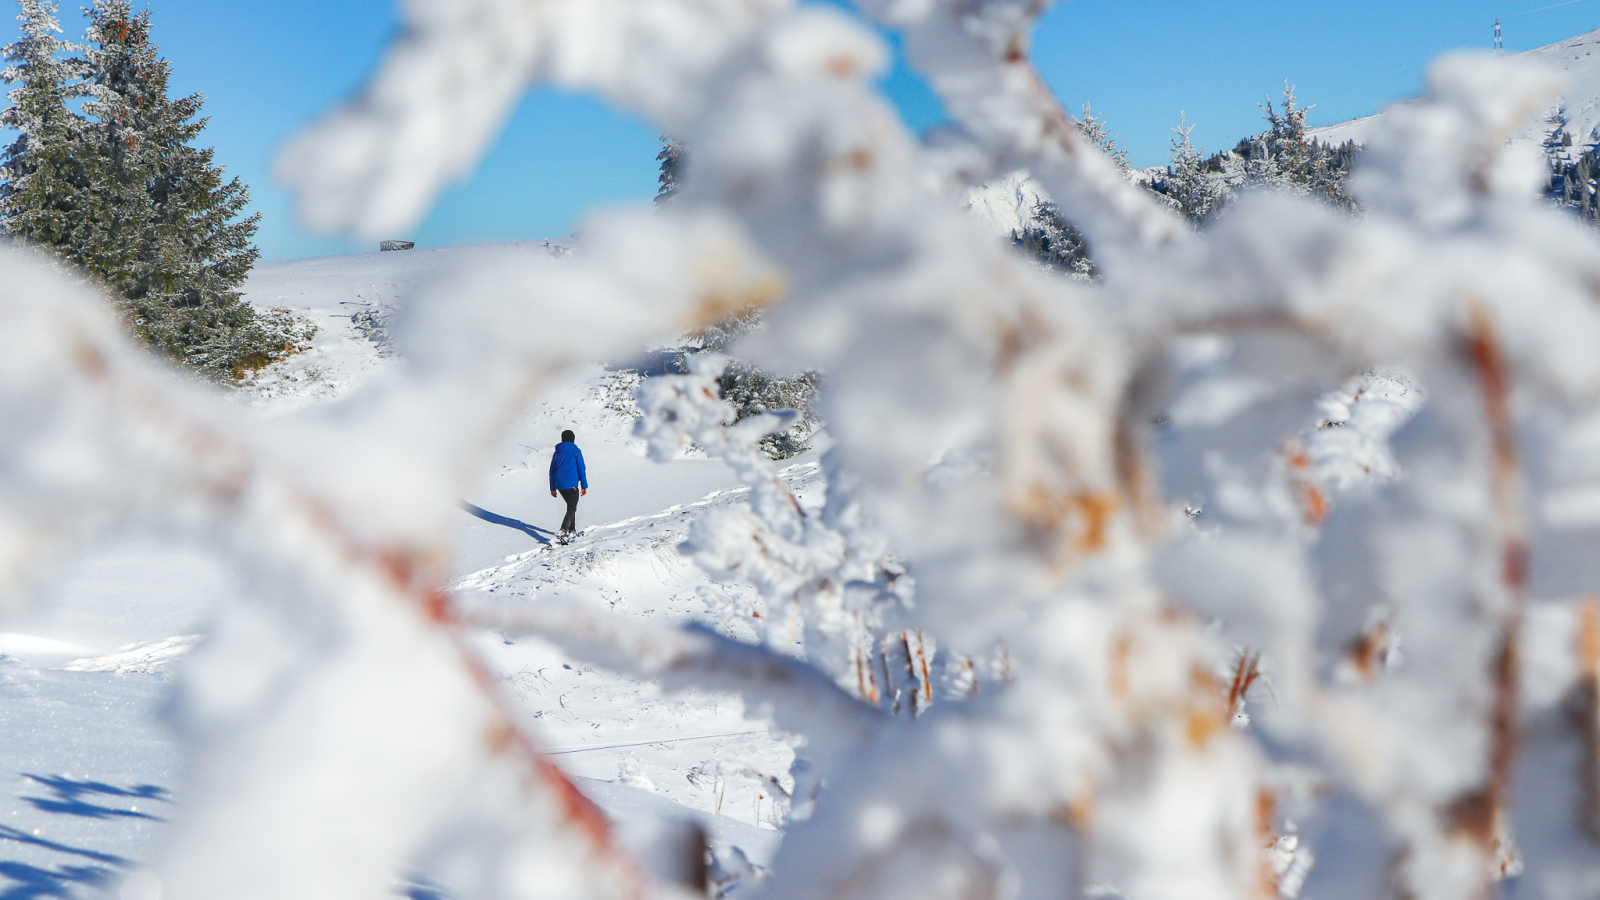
x,y
570,480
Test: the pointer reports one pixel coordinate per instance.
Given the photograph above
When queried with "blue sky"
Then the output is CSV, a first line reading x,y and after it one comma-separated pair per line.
x,y
267,68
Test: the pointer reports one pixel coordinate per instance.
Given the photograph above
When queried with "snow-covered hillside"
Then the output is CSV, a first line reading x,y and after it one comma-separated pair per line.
x,y
1005,204
328,291
1577,59
89,772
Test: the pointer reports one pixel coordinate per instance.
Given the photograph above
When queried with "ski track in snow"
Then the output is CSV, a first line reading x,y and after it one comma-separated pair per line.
x,y
88,773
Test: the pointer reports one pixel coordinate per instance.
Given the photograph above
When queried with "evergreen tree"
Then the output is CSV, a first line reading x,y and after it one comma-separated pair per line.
x,y
753,391
1094,128
1192,188
1047,236
1283,157
1332,172
162,229
671,159
1280,156
749,388
40,173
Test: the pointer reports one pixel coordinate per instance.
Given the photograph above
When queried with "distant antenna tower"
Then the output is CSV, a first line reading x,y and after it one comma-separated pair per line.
x,y
1499,48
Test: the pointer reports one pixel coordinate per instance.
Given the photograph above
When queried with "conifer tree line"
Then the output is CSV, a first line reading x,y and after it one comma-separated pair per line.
x,y
1574,170
1197,186
1282,157
104,177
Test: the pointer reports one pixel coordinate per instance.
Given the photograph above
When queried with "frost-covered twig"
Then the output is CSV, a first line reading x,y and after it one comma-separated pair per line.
x,y
1588,690
975,55
1000,434
453,73
1487,813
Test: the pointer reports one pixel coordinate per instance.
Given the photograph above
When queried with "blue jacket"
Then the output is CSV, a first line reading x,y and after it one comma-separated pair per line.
x,y
566,468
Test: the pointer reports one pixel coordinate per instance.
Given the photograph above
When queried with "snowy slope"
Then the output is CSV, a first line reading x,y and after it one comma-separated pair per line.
x,y
90,772
698,750
1577,59
327,291
1005,204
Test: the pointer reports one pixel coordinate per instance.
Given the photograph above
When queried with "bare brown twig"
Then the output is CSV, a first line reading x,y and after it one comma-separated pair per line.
x,y
1589,710
1487,815
1245,673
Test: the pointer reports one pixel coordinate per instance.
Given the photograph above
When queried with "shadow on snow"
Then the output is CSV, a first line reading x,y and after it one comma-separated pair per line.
x,y
73,798
532,531
33,882
24,881
29,882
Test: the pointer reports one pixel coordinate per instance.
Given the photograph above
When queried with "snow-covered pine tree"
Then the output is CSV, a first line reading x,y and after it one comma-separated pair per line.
x,y
1192,189
1047,236
163,230
1285,158
1280,156
749,388
671,159
752,390
40,173
1330,173
1053,242
1094,128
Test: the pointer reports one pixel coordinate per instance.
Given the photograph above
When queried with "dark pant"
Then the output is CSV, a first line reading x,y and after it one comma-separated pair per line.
x,y
570,523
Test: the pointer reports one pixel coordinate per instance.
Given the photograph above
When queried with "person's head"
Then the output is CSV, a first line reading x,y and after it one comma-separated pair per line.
x,y
568,436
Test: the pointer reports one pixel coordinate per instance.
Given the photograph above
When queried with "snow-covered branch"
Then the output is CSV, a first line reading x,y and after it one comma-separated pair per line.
x,y
1132,487
975,55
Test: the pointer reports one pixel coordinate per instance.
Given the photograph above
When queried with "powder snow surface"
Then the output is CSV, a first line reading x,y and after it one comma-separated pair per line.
x,y
89,771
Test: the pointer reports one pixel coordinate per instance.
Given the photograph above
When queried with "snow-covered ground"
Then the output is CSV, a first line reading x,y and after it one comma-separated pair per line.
x,y
89,771
1005,204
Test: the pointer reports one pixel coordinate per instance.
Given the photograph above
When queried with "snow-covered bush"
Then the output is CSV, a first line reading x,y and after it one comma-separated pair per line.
x,y
748,388
753,391
1279,535
374,320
